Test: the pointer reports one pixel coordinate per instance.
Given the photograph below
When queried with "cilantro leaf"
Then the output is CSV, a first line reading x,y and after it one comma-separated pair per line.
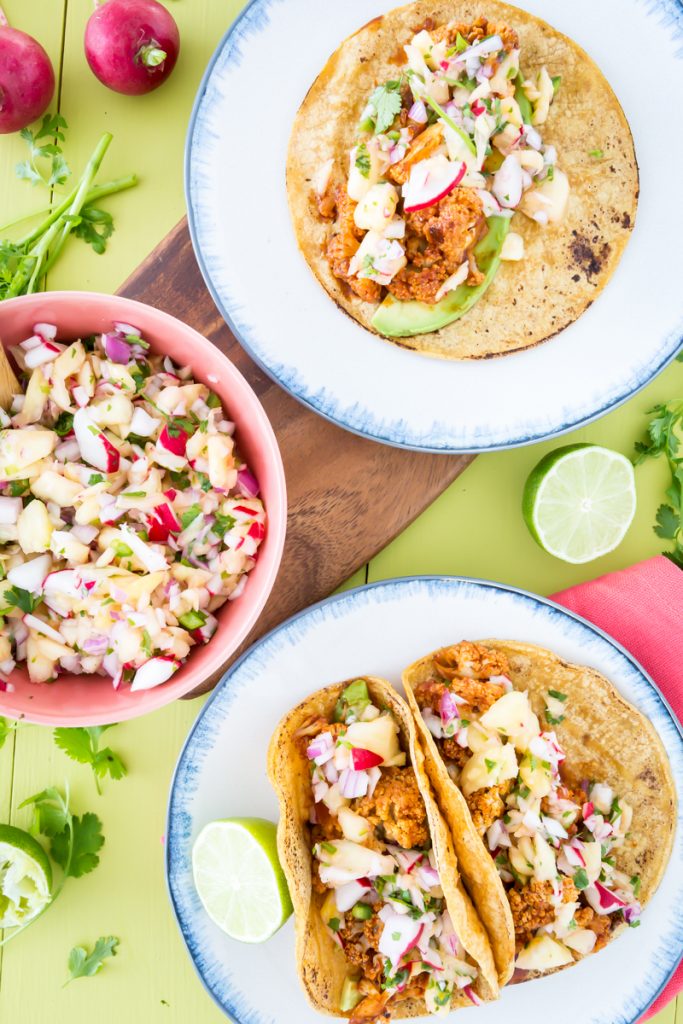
x,y
82,964
50,152
668,522
76,849
383,106
189,515
95,227
82,745
16,597
50,812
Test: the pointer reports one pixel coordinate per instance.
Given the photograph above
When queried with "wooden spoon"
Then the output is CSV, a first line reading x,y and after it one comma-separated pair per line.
x,y
9,385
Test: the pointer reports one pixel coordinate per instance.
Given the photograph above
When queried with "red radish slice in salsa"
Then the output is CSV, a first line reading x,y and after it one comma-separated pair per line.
x,y
431,180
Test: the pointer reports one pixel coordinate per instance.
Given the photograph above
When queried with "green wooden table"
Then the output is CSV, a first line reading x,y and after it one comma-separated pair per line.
x,y
475,528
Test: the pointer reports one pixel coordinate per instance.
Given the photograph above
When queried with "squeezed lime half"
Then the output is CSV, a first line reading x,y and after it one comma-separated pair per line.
x,y
25,877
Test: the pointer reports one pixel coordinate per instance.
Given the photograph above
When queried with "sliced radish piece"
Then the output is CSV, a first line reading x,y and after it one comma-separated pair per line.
x,y
30,575
362,759
346,896
602,900
48,332
81,397
96,449
153,673
400,934
430,180
175,440
43,353
63,582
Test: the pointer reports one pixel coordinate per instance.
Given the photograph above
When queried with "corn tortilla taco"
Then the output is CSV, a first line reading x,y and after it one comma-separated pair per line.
x,y
384,927
558,794
461,178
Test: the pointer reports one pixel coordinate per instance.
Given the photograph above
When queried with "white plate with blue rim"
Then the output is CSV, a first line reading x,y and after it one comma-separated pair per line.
x,y
378,630
239,221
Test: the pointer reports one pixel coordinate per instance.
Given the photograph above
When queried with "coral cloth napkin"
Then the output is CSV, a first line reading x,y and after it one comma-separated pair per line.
x,y
642,608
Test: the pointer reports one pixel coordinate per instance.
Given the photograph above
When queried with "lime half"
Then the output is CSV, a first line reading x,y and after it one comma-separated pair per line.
x,y
25,877
579,501
239,879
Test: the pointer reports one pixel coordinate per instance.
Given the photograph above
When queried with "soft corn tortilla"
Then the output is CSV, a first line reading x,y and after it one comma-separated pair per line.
x,y
321,963
566,265
604,737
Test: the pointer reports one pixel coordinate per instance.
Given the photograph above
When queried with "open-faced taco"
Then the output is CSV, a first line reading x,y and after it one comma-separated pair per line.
x,y
384,927
448,143
558,793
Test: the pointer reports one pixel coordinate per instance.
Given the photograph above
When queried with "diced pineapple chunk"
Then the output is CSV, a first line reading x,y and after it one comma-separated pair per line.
x,y
536,774
112,411
380,736
543,954
37,394
51,486
354,826
21,448
490,766
512,716
221,462
545,867
52,650
34,528
64,545
40,668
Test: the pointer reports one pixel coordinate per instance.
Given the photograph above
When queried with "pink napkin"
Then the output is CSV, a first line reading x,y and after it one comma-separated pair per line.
x,y
642,608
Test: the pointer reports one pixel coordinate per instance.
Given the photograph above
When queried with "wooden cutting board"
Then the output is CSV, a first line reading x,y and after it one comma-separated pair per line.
x,y
348,497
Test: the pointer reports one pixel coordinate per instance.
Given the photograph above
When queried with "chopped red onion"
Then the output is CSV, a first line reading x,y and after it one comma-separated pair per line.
x,y
353,784
116,349
247,482
374,775
418,112
126,329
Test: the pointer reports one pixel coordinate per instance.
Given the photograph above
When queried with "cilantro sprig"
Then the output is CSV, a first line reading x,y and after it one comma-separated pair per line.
x,y
82,964
384,104
665,437
45,149
73,842
83,745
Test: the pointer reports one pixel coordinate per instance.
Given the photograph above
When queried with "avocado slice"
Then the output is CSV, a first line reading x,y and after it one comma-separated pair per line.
x,y
403,319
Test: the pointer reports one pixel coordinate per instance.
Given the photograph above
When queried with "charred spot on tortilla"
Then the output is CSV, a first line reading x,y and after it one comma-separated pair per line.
x,y
591,260
400,168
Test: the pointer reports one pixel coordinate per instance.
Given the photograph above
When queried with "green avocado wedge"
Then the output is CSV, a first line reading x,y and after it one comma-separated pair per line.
x,y
397,319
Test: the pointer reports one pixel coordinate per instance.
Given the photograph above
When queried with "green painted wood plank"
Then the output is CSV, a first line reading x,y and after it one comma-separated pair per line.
x,y
476,528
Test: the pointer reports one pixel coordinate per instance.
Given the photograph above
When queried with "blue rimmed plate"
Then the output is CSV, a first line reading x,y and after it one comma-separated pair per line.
x,y
235,184
379,630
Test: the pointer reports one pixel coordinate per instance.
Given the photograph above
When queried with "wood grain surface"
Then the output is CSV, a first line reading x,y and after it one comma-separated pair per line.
x,y
348,497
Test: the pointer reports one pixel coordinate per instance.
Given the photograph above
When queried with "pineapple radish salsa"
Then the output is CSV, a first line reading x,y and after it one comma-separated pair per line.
x,y
127,516
556,848
383,904
453,141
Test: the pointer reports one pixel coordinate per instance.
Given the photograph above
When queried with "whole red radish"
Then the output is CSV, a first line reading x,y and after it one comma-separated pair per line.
x,y
131,45
27,81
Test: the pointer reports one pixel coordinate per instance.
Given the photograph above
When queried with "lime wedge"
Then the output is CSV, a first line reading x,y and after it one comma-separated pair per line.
x,y
579,501
239,879
25,877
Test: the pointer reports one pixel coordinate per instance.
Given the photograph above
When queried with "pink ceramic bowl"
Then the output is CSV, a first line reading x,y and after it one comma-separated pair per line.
x,y
91,700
